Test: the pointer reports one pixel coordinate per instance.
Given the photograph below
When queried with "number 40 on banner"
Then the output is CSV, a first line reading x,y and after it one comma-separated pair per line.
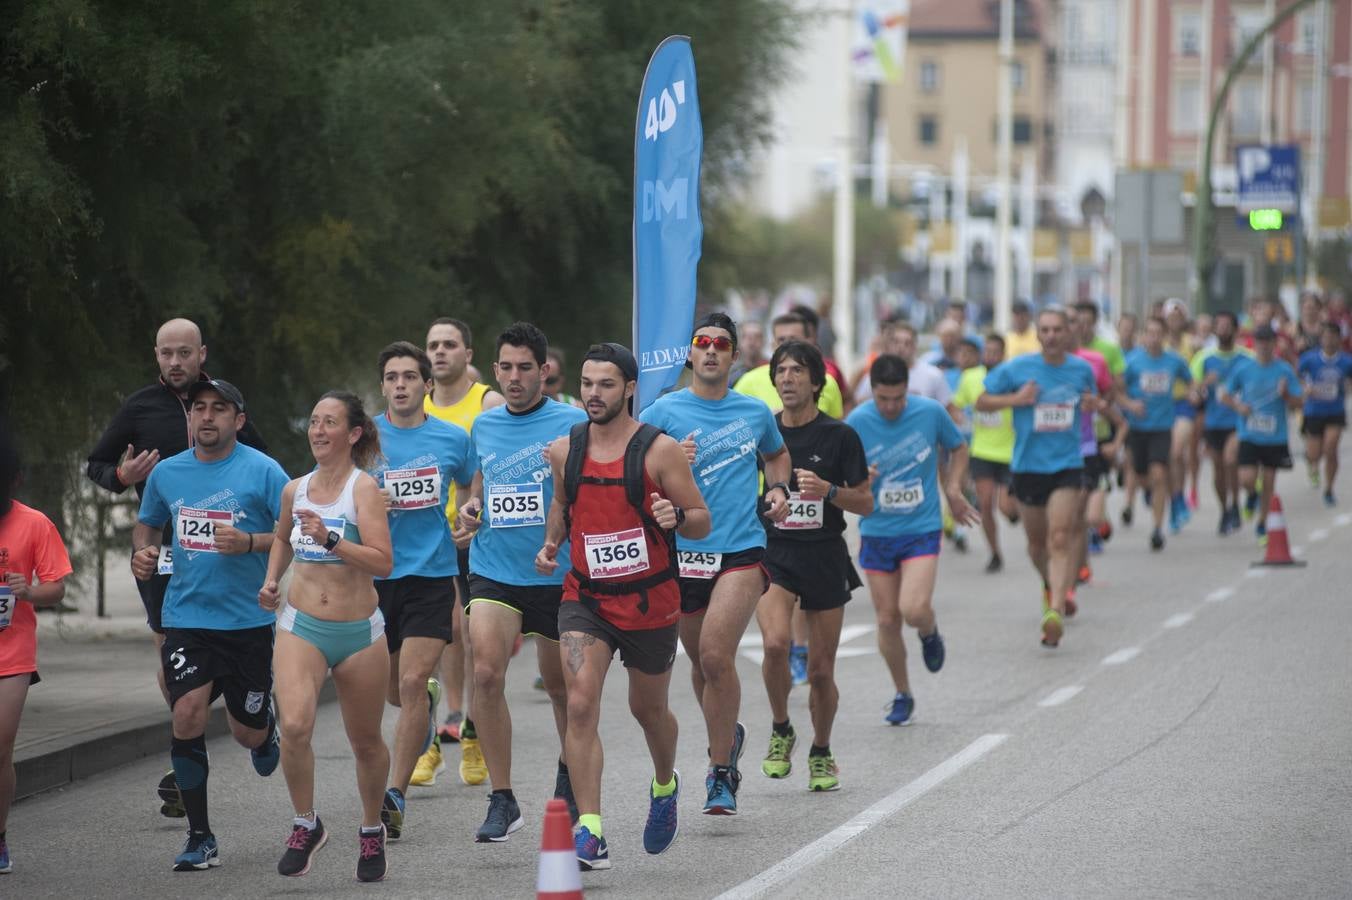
x,y
662,111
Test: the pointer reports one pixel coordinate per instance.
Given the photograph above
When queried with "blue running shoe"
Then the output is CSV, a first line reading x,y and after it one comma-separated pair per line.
x,y
269,753
738,745
392,813
798,663
932,646
5,865
591,850
722,799
901,707
661,828
1250,505
1260,531
1329,500
199,852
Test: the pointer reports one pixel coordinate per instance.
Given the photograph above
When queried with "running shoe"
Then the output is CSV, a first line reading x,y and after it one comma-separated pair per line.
x,y
778,762
199,853
171,801
1224,527
798,663
959,540
539,682
661,827
1184,511
1105,530
1251,505
932,648
1156,540
822,773
1260,531
1126,516
269,753
1192,498
1071,606
1329,500
1312,471
995,565
504,817
563,789
433,699
450,729
5,865
473,770
1084,575
1095,543
392,814
301,847
371,855
591,850
738,748
429,766
1052,628
900,709
722,799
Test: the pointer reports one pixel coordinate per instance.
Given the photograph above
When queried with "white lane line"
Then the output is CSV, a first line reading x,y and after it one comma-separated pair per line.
x,y
1256,573
850,632
1297,550
1220,595
1179,620
1060,695
829,843
1318,535
1126,654
1342,520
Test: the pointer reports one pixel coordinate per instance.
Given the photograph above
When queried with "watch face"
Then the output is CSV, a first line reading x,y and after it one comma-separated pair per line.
x,y
334,537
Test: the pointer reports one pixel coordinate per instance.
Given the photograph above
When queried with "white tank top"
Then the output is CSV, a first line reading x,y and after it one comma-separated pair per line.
x,y
339,516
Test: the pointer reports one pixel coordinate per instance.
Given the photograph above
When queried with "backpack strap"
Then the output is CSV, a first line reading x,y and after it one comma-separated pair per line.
x,y
577,456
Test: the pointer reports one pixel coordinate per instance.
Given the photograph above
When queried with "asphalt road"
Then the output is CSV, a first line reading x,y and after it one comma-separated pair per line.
x,y
1192,737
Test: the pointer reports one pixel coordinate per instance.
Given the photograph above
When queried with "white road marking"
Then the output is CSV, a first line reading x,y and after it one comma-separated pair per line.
x,y
1297,550
850,632
1126,654
1256,573
1060,695
824,846
1179,620
1220,595
1318,535
1342,520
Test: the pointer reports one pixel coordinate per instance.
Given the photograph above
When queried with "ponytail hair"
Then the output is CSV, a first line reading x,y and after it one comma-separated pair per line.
x,y
366,452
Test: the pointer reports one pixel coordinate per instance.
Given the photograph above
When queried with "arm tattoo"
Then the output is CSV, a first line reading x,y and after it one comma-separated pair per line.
x,y
575,641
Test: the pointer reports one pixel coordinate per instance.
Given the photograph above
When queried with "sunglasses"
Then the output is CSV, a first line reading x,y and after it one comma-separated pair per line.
x,y
704,342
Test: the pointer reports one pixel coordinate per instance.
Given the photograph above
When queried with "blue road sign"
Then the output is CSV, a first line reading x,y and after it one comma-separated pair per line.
x,y
1269,177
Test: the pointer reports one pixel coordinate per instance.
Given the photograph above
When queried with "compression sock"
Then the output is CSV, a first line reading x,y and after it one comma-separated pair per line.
x,y
189,757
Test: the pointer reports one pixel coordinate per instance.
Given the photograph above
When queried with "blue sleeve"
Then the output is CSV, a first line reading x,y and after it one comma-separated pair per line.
x,y
771,441
1347,365
154,512
1234,385
997,380
1293,383
277,481
949,435
468,461
1184,373
650,416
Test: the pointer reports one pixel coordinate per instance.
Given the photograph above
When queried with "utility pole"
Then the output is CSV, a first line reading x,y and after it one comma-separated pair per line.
x,y
1204,218
1004,150
842,282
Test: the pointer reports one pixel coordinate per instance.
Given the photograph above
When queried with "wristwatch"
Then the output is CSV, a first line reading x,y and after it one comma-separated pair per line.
x,y
831,493
680,516
782,485
334,538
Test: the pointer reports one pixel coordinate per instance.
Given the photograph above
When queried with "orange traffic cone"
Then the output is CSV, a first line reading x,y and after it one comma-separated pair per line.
x,y
1278,549
559,877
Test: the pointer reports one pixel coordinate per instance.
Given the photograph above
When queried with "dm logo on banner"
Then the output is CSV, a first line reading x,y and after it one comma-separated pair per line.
x,y
668,144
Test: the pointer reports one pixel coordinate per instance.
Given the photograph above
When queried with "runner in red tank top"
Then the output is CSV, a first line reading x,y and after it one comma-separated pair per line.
x,y
622,592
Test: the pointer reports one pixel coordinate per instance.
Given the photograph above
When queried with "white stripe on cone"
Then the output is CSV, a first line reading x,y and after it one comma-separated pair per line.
x,y
1275,522
559,874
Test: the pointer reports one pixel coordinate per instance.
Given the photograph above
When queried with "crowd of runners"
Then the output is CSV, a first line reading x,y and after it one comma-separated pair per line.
x,y
427,540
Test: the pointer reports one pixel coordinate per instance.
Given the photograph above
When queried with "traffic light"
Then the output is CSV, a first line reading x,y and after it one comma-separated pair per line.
x,y
1279,249
1265,219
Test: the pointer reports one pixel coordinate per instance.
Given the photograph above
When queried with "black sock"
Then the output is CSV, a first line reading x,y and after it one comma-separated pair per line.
x,y
782,728
563,768
507,792
819,751
189,758
467,729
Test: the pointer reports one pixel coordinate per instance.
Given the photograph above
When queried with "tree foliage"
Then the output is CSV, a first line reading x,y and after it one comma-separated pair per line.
x,y
312,181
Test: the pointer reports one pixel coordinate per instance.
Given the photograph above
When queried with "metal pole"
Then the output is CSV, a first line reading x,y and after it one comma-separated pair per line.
x,y
1314,179
1004,149
842,309
1143,264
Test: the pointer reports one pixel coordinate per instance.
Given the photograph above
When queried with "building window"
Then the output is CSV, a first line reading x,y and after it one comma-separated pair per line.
x,y
1248,21
929,130
929,76
1023,130
1246,114
1307,31
1188,32
1186,110
1016,76
1304,118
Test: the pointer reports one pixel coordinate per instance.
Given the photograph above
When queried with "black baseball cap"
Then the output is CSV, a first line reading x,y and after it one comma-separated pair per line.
x,y
614,353
228,391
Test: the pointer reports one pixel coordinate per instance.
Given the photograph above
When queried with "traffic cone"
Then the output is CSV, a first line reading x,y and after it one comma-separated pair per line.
x,y
559,877
1278,549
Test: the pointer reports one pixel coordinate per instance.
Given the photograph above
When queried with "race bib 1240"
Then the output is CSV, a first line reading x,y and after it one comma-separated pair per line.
x,y
197,527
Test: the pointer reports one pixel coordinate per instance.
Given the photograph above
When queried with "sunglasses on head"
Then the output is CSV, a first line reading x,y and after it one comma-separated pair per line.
x,y
704,342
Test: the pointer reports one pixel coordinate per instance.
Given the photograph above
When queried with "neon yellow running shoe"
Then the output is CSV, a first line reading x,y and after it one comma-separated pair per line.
x,y
822,773
472,767
778,762
429,766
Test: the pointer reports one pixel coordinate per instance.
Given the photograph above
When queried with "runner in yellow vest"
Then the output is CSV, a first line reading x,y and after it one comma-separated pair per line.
x,y
456,398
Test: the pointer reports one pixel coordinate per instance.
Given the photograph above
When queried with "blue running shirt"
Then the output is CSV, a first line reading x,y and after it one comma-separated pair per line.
x,y
212,589
1256,384
1327,379
728,435
905,451
518,488
1219,363
1152,379
1046,433
416,471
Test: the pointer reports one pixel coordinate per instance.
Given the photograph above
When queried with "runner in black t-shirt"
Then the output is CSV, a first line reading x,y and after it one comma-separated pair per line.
x,y
808,559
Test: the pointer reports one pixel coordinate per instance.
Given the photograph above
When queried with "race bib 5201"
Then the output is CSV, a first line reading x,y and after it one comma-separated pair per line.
x,y
902,498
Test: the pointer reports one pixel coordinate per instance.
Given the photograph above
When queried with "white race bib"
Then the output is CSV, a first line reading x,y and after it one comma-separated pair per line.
x,y
1262,423
988,419
616,554
805,513
1053,416
7,602
516,505
197,527
311,552
1325,391
1155,382
165,564
902,498
693,564
414,488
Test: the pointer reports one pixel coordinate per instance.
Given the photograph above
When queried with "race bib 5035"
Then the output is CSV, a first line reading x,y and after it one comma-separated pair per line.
x,y
515,505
